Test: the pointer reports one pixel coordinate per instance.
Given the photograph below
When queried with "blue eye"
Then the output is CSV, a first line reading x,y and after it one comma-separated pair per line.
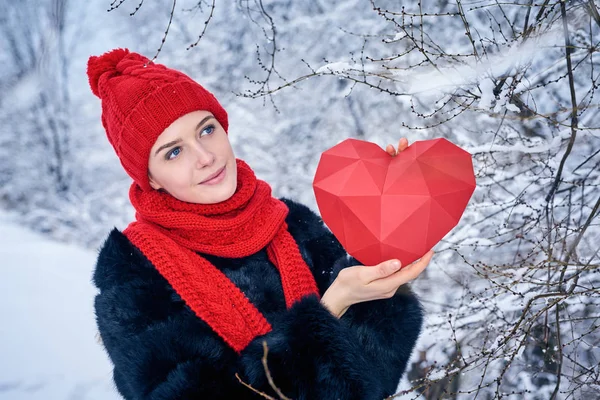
x,y
173,153
209,129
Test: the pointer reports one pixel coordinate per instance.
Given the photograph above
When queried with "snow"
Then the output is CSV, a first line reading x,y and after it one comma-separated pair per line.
x,y
540,148
487,93
335,67
512,107
447,77
48,348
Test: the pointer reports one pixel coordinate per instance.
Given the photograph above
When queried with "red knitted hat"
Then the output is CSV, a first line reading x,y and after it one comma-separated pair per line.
x,y
140,99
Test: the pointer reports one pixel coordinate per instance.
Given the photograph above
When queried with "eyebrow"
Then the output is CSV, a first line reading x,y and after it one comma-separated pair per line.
x,y
174,142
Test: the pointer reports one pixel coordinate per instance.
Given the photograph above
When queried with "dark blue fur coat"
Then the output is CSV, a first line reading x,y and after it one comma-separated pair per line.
x,y
161,350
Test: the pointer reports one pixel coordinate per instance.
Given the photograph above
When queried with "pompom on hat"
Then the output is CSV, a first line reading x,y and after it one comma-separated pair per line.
x,y
140,99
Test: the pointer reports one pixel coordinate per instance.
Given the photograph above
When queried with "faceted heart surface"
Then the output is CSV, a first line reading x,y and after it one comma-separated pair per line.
x,y
381,207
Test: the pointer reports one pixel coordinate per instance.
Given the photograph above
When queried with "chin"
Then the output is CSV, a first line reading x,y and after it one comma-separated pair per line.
x,y
223,194
229,191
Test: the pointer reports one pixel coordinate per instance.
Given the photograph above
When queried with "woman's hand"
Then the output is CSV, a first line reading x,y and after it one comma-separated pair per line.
x,y
361,283
402,145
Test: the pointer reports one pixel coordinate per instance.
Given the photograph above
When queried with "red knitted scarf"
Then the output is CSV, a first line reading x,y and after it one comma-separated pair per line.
x,y
170,232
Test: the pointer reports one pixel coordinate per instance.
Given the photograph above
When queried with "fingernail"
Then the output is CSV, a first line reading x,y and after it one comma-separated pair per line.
x,y
395,265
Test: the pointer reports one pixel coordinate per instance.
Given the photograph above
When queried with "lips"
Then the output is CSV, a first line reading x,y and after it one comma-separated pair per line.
x,y
212,176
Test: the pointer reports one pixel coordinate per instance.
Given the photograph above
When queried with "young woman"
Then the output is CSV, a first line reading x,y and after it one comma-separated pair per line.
x,y
215,271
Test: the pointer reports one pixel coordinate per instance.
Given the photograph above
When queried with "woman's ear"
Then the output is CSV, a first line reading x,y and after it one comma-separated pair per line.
x,y
153,183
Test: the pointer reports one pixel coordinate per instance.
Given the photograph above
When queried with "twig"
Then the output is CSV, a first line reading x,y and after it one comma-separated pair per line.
x,y
526,29
574,128
466,24
268,373
212,10
269,378
593,11
166,31
266,396
558,373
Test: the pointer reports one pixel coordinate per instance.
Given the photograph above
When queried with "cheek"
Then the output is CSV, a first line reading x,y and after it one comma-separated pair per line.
x,y
176,176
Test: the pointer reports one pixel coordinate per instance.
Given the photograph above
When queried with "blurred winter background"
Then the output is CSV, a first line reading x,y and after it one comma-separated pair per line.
x,y
512,295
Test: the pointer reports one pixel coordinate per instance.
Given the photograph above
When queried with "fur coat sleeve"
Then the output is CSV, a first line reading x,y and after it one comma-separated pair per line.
x,y
161,350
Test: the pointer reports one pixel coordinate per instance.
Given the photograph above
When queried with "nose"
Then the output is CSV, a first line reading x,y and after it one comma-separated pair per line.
x,y
204,157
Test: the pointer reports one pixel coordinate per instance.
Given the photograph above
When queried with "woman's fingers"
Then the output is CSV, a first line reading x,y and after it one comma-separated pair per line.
x,y
413,270
380,271
418,266
364,283
406,274
402,145
390,150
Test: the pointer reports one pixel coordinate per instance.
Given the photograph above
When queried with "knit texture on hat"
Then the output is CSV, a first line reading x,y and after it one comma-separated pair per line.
x,y
140,99
170,233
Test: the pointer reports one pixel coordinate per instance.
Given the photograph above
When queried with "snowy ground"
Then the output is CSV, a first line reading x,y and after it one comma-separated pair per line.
x,y
48,349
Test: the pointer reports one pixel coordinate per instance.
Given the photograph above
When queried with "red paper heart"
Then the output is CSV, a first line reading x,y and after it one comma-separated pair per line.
x,y
381,207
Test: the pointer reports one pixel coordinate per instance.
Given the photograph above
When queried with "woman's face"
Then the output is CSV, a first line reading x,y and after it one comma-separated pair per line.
x,y
188,154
